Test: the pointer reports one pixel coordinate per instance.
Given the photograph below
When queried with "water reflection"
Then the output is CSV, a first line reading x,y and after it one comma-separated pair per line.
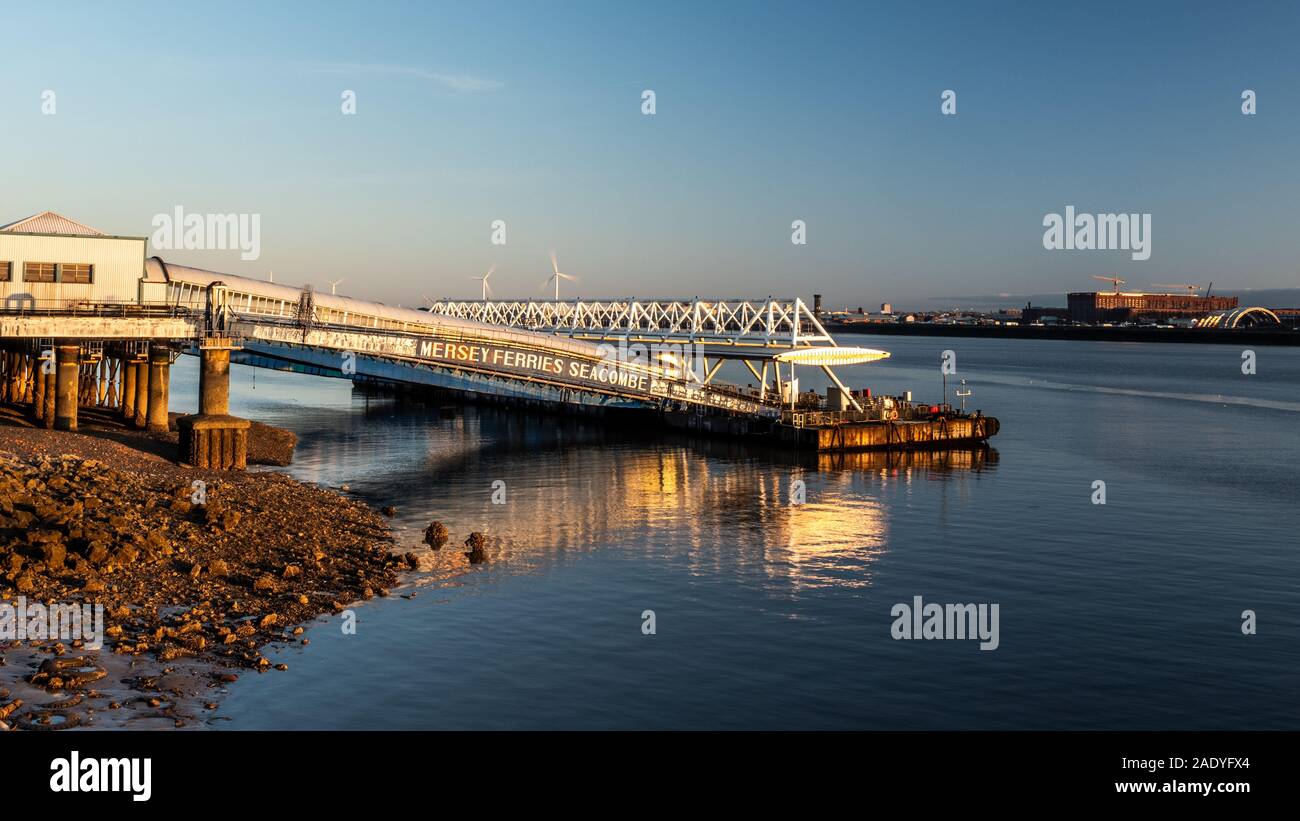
x,y
573,486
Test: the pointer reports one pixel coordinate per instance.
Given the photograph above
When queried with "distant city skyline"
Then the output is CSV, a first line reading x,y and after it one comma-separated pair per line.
x,y
765,114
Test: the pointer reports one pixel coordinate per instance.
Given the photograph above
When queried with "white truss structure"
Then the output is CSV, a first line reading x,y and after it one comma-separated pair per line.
x,y
739,323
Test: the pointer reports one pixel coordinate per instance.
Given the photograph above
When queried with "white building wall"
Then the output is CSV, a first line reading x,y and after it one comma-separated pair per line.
x,y
118,266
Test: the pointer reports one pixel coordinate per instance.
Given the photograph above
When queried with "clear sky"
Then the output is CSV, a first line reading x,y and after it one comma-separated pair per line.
x,y
530,112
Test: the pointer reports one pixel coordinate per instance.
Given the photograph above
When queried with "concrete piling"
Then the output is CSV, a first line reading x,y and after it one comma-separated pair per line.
x,y
160,362
50,378
141,418
66,383
11,381
38,389
30,369
114,370
214,382
128,388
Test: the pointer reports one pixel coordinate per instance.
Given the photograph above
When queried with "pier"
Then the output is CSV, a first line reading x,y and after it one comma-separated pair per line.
x,y
70,344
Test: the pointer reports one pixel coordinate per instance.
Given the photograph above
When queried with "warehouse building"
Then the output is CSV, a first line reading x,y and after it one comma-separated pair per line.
x,y
1094,307
50,262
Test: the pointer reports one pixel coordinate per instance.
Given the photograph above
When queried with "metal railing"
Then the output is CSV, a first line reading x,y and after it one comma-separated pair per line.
x,y
773,323
80,308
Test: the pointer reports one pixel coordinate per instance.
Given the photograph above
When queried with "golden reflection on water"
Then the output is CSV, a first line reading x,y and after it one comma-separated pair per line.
x,y
710,515
712,507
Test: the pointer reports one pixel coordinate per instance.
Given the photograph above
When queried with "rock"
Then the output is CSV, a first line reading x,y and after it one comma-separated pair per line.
x,y
291,570
25,583
268,620
53,553
389,511
477,544
97,553
265,583
219,568
157,542
436,535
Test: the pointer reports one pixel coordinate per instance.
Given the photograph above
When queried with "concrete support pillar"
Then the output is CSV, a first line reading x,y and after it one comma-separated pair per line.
x,y
213,438
141,393
38,388
128,389
214,382
31,366
65,401
50,389
160,363
113,367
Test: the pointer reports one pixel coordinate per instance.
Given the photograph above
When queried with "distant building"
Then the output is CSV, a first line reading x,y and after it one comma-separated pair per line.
x,y
1290,317
50,261
886,308
1107,306
1031,314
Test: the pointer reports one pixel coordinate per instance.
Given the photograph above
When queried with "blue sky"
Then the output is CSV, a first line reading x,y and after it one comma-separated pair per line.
x,y
766,113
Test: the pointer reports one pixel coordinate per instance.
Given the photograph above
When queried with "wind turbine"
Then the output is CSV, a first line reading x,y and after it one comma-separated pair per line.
x,y
557,276
487,289
335,284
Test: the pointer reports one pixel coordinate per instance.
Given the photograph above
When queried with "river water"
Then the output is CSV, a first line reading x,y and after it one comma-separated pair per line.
x,y
769,614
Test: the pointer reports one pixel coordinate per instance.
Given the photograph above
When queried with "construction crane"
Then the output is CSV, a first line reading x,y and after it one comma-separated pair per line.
x,y
1191,289
1116,281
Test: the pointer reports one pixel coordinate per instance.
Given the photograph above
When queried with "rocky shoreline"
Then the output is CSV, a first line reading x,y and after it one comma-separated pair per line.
x,y
197,572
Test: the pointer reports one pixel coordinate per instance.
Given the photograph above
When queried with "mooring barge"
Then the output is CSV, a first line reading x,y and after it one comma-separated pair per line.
x,y
901,426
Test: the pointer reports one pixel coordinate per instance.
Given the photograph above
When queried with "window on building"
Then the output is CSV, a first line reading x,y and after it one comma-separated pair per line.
x,y
6,271
77,273
38,272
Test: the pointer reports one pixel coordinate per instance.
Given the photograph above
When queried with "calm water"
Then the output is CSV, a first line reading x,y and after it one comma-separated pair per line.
x,y
772,615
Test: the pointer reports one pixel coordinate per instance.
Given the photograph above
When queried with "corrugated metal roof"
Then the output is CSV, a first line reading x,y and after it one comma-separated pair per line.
x,y
48,222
